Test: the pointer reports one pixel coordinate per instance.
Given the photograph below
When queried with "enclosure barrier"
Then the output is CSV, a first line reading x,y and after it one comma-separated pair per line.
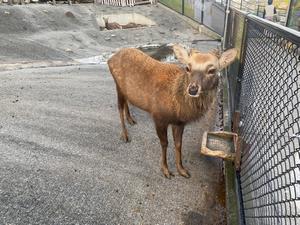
x,y
264,90
124,2
210,13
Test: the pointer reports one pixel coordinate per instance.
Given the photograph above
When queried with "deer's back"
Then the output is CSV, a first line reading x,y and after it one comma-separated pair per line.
x,y
145,82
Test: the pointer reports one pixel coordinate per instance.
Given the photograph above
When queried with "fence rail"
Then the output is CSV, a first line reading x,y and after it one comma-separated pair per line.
x,y
266,91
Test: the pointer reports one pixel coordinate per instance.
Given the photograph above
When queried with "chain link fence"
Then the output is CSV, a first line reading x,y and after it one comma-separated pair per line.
x,y
266,91
257,7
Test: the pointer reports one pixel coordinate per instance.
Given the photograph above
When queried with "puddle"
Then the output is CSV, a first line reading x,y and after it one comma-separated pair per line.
x,y
213,210
98,59
162,53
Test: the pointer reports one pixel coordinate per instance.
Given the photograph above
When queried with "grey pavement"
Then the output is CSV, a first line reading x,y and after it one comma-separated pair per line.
x,y
62,160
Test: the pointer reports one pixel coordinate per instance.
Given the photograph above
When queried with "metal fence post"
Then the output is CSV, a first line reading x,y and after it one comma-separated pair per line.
x,y
288,14
227,11
202,12
242,64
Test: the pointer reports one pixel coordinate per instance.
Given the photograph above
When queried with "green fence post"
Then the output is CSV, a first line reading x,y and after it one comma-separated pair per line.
x,y
202,12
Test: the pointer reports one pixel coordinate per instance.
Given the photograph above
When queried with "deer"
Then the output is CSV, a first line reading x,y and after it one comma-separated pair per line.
x,y
111,26
172,94
132,25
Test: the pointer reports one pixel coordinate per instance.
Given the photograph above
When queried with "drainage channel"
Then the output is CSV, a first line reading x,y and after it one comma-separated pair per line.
x,y
162,53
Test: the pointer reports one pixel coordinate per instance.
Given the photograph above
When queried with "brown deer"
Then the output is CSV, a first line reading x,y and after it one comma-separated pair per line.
x,y
111,26
172,95
132,25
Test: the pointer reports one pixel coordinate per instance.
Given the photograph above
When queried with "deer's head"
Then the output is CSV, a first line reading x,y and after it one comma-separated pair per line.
x,y
105,19
203,68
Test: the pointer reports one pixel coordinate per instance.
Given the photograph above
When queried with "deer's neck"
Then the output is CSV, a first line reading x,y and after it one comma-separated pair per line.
x,y
186,107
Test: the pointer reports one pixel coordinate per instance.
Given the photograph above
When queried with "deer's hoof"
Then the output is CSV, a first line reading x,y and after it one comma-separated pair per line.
x,y
184,173
167,173
125,138
131,121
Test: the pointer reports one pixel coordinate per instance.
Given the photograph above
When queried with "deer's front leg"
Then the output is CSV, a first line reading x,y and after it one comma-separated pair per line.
x,y
177,136
162,133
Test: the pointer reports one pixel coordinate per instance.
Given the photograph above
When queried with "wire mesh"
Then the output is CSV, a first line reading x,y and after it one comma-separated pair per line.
x,y
270,126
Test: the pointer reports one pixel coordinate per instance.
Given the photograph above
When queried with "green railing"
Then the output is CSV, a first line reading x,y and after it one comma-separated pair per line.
x,y
209,13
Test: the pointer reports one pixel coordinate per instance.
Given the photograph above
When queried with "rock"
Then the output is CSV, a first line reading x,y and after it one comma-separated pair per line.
x,y
69,14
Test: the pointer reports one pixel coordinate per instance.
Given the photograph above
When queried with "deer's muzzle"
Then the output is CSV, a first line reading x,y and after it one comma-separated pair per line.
x,y
194,90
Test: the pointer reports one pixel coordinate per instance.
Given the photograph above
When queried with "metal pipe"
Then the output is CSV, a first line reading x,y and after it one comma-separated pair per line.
x,y
202,12
290,33
288,13
227,11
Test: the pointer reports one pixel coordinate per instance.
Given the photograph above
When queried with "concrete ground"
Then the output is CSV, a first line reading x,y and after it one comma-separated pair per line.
x,y
62,161
44,32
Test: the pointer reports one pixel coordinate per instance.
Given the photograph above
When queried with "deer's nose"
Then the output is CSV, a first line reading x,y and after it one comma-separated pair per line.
x,y
193,89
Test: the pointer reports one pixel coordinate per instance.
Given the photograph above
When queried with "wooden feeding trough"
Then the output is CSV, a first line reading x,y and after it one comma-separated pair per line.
x,y
220,144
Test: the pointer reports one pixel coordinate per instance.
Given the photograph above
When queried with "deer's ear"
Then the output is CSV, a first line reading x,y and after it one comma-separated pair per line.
x,y
181,53
227,58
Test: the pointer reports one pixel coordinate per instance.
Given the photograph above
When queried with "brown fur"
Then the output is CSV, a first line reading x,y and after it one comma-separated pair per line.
x,y
160,89
131,25
169,80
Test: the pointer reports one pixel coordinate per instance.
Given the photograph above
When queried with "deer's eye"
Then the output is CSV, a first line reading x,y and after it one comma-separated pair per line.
x,y
188,67
212,71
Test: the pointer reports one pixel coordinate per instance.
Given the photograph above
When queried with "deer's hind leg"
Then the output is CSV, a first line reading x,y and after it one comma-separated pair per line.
x,y
121,107
129,118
